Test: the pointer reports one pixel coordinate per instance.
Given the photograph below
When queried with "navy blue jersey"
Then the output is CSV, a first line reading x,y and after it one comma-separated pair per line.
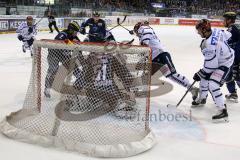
x,y
65,35
97,31
234,41
51,19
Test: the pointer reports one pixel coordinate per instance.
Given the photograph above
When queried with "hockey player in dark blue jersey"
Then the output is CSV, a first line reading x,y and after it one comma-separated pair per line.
x,y
234,42
56,56
97,28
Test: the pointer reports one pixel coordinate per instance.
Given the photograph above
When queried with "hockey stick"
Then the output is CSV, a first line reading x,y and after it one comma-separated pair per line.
x,y
126,43
118,22
169,105
39,21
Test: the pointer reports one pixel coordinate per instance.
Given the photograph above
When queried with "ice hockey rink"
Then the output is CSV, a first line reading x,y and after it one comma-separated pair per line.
x,y
196,138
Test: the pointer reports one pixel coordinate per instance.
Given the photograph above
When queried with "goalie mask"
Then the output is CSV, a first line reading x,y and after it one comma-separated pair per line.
x,y
203,27
136,27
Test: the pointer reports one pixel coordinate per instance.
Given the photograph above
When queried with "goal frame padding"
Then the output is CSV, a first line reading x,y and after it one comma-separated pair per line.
x,y
94,150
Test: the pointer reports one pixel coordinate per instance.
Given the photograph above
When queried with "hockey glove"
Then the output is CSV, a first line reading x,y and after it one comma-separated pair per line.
x,y
20,37
83,31
201,74
131,32
30,30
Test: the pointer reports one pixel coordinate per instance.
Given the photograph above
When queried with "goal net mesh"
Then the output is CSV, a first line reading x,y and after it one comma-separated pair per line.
x,y
86,97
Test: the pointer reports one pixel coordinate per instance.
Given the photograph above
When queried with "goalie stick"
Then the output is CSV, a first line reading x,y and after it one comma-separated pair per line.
x,y
169,105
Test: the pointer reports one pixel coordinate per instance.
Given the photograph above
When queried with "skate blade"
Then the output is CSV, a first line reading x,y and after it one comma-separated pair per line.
x,y
222,120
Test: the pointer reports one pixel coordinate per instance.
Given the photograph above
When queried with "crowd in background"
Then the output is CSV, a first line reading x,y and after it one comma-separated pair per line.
x,y
170,7
207,7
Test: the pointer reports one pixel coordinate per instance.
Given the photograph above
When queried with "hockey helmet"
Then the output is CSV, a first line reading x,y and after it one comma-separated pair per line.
x,y
96,14
204,25
74,26
230,15
29,18
136,27
146,23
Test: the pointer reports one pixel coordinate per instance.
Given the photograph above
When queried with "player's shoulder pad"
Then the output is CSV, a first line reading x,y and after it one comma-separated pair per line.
x,y
61,35
90,20
101,20
235,29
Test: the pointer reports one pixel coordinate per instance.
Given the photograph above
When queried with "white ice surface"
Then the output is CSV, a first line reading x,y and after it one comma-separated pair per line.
x,y
197,138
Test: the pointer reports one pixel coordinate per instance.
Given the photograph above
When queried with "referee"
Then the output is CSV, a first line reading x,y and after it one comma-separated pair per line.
x,y
52,22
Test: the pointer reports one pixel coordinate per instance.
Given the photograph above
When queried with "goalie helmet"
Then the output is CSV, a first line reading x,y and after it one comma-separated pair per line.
x,y
74,26
136,27
230,15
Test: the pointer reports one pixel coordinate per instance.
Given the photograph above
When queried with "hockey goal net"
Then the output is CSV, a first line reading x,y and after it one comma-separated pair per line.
x,y
86,97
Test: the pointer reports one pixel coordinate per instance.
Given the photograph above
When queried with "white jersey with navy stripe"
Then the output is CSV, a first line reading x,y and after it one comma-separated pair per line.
x,y
216,51
23,30
147,36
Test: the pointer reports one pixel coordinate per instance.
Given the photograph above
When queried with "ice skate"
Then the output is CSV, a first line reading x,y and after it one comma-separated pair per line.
x,y
221,116
23,48
199,103
194,91
233,97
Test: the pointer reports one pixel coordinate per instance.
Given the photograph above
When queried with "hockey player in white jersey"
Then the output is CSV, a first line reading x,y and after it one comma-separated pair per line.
x,y
161,59
218,59
26,33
